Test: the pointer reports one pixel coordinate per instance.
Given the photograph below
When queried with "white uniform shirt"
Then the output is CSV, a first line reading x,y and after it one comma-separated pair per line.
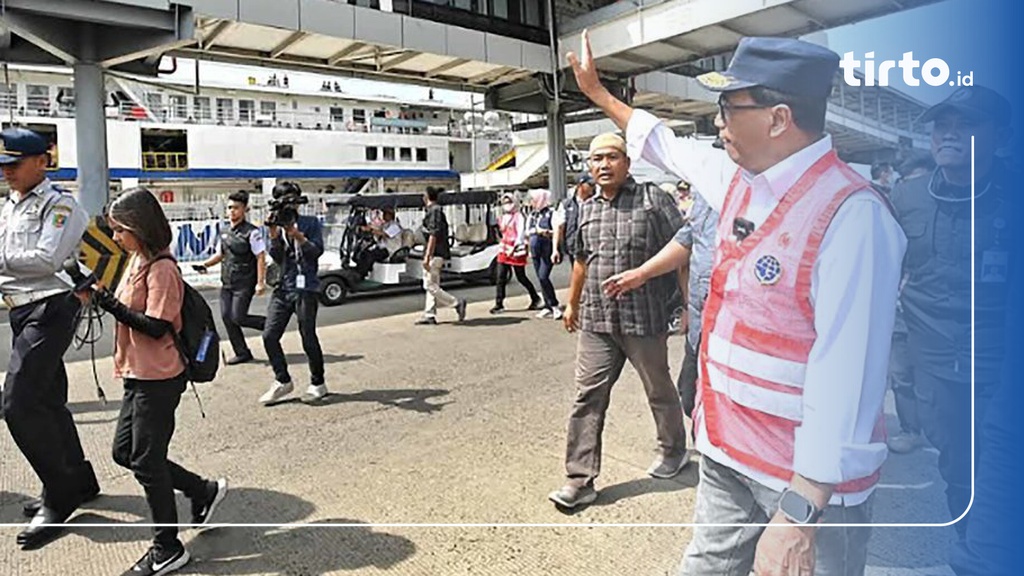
x,y
853,291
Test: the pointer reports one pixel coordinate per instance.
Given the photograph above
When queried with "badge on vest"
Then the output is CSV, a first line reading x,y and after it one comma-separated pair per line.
x,y
767,270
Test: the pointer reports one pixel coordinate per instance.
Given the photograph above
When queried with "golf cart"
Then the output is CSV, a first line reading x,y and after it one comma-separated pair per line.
x,y
473,240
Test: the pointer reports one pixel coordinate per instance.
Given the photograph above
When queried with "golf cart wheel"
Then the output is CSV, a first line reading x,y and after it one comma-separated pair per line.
x,y
333,291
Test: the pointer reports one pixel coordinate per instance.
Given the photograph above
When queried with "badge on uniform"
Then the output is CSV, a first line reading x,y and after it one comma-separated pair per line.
x,y
60,216
994,265
767,270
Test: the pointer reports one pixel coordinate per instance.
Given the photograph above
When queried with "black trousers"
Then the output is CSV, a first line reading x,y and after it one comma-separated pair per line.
x,y
234,311
144,430
505,274
367,258
945,410
35,397
303,305
542,265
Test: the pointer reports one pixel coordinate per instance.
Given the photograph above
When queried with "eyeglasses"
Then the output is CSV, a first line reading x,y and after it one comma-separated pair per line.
x,y
724,107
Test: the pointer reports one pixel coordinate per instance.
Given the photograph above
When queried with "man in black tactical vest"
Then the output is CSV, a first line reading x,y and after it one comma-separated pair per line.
x,y
935,211
243,272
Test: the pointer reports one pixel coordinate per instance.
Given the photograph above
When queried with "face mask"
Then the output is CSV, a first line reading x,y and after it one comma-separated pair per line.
x,y
506,208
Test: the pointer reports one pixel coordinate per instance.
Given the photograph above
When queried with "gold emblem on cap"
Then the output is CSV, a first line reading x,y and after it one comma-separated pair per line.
x,y
6,152
714,80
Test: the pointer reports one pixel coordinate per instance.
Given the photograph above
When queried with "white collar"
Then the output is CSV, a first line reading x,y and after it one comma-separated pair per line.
x,y
785,173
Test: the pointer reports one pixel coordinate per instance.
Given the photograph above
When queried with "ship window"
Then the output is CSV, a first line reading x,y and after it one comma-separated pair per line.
x,y
389,154
284,151
359,115
201,107
405,154
38,98
246,110
225,109
268,109
8,96
421,154
371,153
179,106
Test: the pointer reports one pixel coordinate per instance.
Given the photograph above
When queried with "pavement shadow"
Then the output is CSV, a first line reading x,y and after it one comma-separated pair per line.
x,y
306,550
248,505
413,399
10,507
685,480
300,358
493,321
112,404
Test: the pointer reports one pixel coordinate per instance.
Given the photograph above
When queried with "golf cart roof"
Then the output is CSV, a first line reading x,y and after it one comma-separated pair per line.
x,y
414,200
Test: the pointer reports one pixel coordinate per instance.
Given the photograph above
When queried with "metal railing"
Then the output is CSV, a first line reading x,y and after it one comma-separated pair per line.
x,y
165,161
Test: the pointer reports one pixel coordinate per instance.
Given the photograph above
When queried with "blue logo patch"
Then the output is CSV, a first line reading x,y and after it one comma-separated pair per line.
x,y
767,270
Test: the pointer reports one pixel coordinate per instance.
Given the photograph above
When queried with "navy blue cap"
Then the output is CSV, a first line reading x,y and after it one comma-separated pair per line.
x,y
793,67
974,102
19,143
584,178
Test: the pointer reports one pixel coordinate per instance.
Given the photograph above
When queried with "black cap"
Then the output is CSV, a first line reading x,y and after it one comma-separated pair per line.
x,y
793,67
584,178
19,143
973,101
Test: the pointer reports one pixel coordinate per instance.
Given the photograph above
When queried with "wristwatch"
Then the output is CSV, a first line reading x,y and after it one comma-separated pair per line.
x,y
797,509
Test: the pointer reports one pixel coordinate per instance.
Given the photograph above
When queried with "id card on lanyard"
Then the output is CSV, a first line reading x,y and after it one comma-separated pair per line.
x,y
300,277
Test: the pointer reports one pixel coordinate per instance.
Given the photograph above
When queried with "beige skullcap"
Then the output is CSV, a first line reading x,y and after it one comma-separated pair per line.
x,y
607,140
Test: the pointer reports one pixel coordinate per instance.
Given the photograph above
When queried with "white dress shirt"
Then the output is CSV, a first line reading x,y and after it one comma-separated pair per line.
x,y
853,291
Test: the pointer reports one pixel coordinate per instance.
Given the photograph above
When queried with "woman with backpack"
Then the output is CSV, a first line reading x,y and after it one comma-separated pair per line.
x,y
147,305
513,253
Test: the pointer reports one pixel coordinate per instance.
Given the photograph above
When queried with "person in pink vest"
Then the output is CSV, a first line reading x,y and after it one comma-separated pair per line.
x,y
513,254
796,329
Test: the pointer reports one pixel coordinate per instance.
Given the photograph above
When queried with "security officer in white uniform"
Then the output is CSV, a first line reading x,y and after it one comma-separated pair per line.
x,y
41,227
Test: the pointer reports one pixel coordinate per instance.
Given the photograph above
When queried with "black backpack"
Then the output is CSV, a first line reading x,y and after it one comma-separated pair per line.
x,y
198,340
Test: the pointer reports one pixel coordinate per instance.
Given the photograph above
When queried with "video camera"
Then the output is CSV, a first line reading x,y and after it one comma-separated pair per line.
x,y
284,207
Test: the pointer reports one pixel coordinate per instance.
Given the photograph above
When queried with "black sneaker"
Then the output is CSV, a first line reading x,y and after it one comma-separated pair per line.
x,y
497,310
536,305
202,510
460,309
159,562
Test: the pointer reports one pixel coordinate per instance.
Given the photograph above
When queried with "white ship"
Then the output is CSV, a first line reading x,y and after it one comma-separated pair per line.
x,y
236,130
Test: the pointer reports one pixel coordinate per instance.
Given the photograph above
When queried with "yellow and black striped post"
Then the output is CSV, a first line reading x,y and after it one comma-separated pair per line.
x,y
101,254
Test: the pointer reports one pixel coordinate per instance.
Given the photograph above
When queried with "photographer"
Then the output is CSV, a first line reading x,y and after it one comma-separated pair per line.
x,y
243,272
296,243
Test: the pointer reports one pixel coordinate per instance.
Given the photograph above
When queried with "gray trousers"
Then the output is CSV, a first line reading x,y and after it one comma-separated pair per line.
x,y
599,362
725,496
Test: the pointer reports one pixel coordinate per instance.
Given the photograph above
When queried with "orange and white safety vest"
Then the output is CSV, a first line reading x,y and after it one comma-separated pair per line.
x,y
758,327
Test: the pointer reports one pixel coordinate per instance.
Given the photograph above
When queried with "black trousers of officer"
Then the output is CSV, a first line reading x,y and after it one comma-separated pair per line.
x,y
35,399
945,410
234,311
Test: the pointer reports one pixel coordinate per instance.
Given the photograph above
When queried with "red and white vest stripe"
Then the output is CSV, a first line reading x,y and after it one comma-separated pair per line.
x,y
758,325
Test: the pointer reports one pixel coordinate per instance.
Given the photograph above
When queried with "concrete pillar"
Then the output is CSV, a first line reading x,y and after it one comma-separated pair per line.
x,y
556,153
268,186
91,126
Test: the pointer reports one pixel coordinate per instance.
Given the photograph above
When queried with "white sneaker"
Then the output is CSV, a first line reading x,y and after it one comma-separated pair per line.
x,y
314,393
557,314
276,392
545,313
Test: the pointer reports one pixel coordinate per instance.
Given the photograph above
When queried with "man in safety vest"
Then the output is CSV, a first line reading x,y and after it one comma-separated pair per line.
x,y
796,329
